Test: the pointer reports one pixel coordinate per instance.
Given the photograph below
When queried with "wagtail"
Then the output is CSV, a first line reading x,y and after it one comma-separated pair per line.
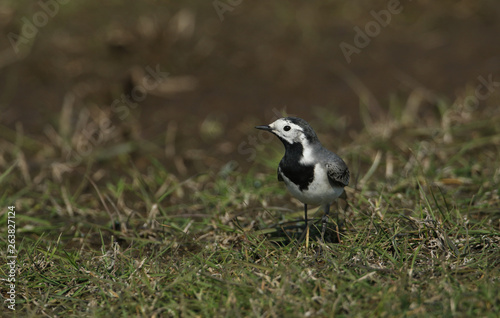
x,y
312,174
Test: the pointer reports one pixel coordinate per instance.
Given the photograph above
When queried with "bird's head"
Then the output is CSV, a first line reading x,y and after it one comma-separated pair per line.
x,y
291,130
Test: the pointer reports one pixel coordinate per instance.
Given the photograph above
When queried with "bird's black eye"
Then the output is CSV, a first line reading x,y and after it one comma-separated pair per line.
x,y
287,128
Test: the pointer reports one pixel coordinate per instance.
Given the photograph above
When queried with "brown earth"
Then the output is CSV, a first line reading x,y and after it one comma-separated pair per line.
x,y
234,64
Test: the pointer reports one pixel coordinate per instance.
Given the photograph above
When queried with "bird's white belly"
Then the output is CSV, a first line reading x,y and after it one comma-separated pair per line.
x,y
319,192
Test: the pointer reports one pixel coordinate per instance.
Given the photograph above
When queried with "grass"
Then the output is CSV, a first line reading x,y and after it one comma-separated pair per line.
x,y
111,236
108,223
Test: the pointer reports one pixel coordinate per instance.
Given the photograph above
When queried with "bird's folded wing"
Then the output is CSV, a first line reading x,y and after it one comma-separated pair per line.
x,y
338,173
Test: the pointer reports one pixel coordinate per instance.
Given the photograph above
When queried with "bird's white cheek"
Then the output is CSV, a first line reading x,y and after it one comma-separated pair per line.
x,y
289,140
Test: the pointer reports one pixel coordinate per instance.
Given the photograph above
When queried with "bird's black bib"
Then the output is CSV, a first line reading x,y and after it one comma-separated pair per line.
x,y
290,167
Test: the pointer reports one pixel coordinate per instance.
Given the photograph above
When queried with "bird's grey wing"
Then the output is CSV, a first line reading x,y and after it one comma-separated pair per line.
x,y
338,173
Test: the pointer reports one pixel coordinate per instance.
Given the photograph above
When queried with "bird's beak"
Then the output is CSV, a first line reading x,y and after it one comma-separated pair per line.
x,y
265,127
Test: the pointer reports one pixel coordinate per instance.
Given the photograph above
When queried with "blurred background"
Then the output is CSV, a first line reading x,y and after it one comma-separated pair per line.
x,y
128,148
185,82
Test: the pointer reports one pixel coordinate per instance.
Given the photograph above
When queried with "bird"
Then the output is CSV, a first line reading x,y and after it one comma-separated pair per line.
x,y
312,174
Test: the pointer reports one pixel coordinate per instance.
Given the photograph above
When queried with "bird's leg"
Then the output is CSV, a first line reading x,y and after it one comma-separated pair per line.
x,y
305,217
324,220
344,197
306,227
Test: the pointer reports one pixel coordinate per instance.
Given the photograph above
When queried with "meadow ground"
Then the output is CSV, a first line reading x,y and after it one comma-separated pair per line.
x,y
421,231
166,203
